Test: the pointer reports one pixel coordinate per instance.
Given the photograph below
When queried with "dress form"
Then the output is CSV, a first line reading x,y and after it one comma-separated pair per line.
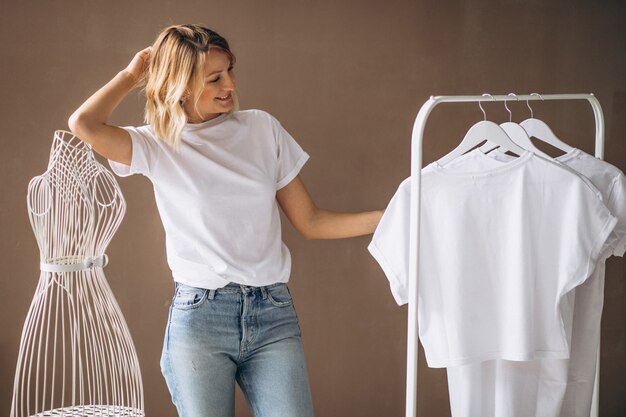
x,y
76,354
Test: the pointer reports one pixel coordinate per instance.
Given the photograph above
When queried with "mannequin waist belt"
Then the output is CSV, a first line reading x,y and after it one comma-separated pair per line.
x,y
77,265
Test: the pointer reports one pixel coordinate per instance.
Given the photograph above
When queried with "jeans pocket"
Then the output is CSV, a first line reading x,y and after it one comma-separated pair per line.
x,y
188,297
279,295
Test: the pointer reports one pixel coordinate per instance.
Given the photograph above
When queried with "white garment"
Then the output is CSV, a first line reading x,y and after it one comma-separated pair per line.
x,y
217,196
500,388
499,248
550,387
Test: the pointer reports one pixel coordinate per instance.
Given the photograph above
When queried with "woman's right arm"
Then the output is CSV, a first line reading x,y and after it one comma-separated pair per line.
x,y
89,121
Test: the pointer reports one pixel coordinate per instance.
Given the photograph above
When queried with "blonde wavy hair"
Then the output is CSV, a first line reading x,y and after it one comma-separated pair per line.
x,y
175,73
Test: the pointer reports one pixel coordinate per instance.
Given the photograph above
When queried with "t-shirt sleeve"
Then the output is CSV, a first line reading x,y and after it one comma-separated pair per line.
x,y
616,203
588,237
390,242
290,156
144,149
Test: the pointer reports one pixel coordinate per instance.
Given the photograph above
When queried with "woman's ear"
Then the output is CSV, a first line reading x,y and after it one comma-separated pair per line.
x,y
185,96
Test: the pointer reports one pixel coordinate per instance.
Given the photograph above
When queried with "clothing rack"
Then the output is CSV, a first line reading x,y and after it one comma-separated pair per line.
x,y
416,168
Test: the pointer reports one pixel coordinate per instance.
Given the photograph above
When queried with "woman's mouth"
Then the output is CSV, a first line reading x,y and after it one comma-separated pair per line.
x,y
225,98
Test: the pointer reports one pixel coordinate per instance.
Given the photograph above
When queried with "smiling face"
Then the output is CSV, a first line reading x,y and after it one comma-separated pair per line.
x,y
219,83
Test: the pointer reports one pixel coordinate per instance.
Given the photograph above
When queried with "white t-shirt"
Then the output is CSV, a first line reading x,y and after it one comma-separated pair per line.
x,y
499,249
550,387
217,196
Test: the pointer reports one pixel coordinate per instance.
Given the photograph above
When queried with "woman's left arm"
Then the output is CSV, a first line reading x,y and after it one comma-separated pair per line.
x,y
313,222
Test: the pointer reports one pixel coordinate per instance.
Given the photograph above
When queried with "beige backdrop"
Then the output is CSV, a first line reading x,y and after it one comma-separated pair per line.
x,y
346,78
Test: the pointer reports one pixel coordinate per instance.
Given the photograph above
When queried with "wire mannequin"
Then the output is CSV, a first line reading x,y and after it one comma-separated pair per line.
x,y
76,354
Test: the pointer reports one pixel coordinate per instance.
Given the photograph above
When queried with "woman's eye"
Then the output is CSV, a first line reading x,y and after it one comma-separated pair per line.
x,y
218,78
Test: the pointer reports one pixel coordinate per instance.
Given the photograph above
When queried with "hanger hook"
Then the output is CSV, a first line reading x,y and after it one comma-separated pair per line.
x,y
481,107
529,108
507,108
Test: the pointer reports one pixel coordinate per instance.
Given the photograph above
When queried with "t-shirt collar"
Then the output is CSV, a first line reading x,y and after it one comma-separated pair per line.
x,y
207,123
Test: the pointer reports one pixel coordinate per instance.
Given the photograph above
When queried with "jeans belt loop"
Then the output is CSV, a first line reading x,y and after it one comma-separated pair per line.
x,y
211,294
264,292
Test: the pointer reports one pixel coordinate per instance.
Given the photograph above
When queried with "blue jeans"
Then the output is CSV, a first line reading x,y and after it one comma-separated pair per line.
x,y
235,333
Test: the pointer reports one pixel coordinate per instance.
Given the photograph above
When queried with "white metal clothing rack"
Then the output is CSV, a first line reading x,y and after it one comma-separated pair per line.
x,y
416,168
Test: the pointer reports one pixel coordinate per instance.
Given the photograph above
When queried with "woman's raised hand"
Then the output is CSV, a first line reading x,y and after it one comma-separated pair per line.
x,y
139,65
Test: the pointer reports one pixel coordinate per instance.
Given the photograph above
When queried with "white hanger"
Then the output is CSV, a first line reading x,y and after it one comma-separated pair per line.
x,y
517,133
483,130
539,129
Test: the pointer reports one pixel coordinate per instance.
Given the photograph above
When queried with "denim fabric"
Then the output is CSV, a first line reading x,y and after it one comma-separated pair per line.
x,y
236,333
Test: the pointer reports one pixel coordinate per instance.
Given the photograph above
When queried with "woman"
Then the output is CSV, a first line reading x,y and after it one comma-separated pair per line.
x,y
219,175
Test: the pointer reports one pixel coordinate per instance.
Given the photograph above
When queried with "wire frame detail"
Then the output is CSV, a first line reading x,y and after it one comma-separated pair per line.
x,y
76,355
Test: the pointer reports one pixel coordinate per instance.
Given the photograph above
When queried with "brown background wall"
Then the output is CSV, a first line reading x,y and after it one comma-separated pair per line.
x,y
346,78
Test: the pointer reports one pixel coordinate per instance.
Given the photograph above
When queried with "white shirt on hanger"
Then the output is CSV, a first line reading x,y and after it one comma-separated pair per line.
x,y
549,387
500,246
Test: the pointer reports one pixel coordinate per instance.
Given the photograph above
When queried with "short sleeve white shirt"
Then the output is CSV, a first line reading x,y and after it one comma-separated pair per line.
x,y
550,387
500,246
217,196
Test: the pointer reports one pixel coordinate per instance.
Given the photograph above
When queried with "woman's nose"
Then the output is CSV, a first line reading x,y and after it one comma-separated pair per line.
x,y
229,83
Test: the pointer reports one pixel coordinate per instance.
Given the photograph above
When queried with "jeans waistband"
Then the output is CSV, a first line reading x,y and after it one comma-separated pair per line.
x,y
233,287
